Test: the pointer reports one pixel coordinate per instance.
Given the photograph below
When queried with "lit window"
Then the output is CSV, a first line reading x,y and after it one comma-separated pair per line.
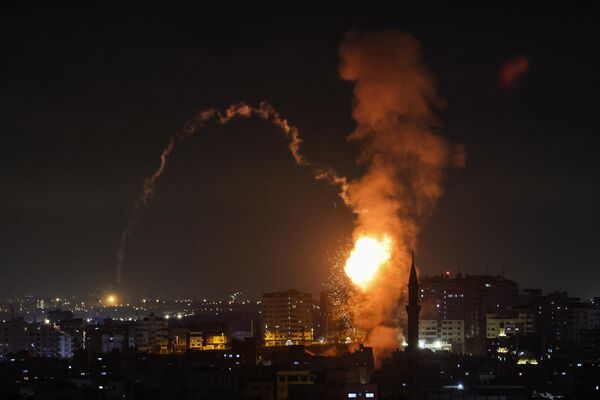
x,y
351,395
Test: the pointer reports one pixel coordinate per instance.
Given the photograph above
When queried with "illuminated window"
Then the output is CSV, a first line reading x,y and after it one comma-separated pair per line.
x,y
351,395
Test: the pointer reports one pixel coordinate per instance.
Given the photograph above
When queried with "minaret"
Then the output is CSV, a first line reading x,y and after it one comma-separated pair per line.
x,y
412,309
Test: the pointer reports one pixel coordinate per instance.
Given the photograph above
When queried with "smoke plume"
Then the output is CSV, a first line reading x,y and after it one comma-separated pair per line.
x,y
512,72
263,111
404,156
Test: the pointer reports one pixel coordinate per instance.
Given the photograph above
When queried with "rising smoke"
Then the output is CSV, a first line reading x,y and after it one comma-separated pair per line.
x,y
263,111
404,156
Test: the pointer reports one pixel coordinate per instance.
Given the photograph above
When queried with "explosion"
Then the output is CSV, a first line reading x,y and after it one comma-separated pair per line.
x,y
405,160
365,260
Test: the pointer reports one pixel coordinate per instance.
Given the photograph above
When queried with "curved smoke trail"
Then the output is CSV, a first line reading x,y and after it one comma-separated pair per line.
x,y
241,110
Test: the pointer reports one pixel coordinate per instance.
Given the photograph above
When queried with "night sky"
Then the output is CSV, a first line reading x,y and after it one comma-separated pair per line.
x,y
92,93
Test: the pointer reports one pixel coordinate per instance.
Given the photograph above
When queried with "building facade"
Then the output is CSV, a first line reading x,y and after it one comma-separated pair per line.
x,y
508,324
151,334
468,298
445,334
40,340
287,318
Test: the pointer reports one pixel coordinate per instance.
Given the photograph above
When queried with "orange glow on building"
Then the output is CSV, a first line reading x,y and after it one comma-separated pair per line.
x,y
287,318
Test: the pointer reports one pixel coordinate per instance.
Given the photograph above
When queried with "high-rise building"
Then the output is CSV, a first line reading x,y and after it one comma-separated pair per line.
x,y
40,340
468,298
287,318
334,325
580,316
75,327
12,337
151,334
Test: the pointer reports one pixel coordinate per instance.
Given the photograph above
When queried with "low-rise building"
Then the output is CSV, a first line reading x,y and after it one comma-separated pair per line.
x,y
216,341
179,340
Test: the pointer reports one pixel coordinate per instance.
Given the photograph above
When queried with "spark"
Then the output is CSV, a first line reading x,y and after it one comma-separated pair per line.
x,y
339,288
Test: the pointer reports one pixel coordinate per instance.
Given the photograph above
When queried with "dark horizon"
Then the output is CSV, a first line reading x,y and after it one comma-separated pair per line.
x,y
94,92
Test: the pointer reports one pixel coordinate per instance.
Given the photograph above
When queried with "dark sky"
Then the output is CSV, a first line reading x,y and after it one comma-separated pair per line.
x,y
91,94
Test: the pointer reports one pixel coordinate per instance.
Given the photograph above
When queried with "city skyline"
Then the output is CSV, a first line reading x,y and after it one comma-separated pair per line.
x,y
459,335
101,292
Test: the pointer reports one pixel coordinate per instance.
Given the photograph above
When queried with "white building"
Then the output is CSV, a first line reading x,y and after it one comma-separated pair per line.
x,y
508,324
442,335
65,345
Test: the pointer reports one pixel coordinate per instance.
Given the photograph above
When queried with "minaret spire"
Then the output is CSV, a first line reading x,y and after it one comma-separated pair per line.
x,y
412,309
413,279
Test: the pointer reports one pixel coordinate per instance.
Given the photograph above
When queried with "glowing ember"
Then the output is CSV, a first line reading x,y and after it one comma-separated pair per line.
x,y
368,255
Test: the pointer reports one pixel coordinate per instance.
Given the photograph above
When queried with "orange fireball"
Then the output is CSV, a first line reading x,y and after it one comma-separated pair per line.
x,y
367,257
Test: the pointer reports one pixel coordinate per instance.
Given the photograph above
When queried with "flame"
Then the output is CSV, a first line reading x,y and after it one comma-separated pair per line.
x,y
368,255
